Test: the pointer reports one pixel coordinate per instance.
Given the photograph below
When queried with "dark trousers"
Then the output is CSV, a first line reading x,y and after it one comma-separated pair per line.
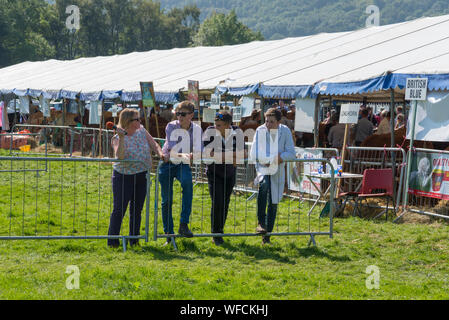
x,y
266,216
220,190
127,190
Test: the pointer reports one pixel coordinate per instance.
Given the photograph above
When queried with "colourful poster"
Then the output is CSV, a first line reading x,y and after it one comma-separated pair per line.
x,y
429,175
194,93
297,180
148,97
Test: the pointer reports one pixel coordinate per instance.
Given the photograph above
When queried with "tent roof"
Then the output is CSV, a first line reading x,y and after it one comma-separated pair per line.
x,y
366,60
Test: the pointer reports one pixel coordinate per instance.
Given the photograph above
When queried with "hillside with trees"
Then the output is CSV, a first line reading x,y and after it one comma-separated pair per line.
x,y
32,30
277,19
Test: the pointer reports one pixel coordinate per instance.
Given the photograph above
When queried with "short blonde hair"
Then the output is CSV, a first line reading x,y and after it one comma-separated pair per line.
x,y
126,116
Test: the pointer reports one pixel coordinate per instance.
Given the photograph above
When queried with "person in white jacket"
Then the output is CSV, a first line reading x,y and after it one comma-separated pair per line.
x,y
272,146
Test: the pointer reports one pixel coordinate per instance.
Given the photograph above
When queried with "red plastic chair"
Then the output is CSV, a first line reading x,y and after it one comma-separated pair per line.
x,y
377,183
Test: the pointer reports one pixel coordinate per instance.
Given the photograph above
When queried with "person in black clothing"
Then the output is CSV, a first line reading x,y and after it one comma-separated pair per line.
x,y
225,144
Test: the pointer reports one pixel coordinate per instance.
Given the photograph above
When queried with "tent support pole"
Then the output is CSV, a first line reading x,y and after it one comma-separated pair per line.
x,y
316,118
414,105
393,143
64,134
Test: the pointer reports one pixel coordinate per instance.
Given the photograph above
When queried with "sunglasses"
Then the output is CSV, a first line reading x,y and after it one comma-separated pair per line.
x,y
135,120
183,114
219,116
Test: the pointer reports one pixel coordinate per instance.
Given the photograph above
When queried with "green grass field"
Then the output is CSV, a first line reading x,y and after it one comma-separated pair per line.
x,y
75,200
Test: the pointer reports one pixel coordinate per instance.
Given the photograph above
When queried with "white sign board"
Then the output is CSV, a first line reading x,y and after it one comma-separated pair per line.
x,y
215,100
416,89
247,106
209,115
349,113
236,114
304,117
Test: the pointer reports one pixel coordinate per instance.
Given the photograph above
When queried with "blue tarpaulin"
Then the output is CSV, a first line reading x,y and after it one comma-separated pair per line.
x,y
386,82
161,97
286,92
238,91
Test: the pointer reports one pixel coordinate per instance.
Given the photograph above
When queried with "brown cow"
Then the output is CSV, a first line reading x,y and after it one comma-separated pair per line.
x,y
382,140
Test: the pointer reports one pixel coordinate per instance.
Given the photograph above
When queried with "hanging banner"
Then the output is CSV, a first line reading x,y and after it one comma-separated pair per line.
x,y
209,115
148,97
297,179
215,101
247,106
305,115
24,105
194,93
432,118
94,114
45,106
236,114
429,175
1,113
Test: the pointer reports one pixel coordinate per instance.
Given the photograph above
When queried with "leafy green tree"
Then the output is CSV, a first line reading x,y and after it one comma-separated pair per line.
x,y
221,29
93,33
20,41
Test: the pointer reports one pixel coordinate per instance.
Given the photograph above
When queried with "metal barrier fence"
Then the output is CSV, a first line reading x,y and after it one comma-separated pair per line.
x,y
426,205
8,141
89,141
296,215
61,198
361,158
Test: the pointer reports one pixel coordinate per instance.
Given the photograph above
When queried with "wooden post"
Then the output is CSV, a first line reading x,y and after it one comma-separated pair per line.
x,y
343,157
145,114
157,121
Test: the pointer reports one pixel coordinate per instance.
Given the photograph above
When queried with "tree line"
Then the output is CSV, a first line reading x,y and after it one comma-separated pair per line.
x,y
295,18
32,30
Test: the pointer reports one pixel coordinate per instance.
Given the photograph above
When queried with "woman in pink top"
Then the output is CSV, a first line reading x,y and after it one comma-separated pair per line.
x,y
129,182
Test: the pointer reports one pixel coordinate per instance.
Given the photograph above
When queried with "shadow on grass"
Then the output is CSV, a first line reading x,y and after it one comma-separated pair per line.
x,y
317,252
285,253
260,252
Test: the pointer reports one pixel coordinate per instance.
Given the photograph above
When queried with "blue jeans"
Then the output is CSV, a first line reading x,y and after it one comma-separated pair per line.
x,y
183,173
266,217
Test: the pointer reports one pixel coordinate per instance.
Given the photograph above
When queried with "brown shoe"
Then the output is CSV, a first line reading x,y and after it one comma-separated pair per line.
x,y
260,229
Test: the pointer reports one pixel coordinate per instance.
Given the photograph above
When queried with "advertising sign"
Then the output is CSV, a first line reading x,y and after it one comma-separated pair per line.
x,y
194,93
297,180
429,175
148,97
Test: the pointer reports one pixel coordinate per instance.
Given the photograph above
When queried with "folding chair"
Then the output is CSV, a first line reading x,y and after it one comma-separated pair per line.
x,y
373,180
